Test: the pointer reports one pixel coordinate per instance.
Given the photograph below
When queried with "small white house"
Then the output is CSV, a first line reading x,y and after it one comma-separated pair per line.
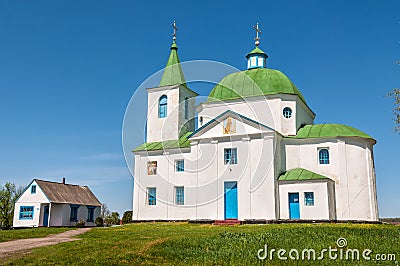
x,y
45,203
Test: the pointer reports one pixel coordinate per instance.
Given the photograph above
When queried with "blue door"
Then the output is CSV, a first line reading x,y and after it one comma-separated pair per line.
x,y
231,200
294,206
46,216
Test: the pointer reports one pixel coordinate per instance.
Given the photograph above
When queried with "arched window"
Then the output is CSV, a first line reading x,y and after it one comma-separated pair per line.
x,y
162,107
186,108
287,112
323,156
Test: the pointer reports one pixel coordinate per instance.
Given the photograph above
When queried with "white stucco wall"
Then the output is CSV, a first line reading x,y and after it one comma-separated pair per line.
x,y
168,128
61,213
267,110
29,199
205,174
351,167
262,156
320,210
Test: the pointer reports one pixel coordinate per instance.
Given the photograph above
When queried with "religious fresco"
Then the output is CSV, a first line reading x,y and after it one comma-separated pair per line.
x,y
152,168
229,126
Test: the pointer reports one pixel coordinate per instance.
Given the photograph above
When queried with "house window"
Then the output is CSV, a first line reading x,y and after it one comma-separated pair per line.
x,y
152,168
309,198
162,106
186,108
26,213
323,155
179,195
151,195
230,156
90,217
287,112
74,213
33,189
179,166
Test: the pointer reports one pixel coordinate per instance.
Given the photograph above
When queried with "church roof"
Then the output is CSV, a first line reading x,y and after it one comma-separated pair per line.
x,y
173,73
182,142
253,82
329,130
299,174
256,51
67,193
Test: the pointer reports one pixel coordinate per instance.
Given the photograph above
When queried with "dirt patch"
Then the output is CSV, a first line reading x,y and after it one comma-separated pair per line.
x,y
10,248
148,245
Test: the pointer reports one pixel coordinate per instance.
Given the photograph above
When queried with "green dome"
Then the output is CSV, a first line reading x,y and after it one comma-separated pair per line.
x,y
253,82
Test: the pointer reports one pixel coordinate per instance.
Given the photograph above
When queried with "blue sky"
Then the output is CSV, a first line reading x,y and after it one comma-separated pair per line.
x,y
69,68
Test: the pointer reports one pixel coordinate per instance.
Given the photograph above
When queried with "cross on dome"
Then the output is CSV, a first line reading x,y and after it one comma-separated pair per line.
x,y
258,32
175,29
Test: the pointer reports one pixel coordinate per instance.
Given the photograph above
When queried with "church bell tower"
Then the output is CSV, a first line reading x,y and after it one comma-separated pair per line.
x,y
171,105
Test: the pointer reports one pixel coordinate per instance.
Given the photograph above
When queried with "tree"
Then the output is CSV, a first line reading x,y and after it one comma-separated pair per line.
x,y
8,196
105,211
127,217
395,94
109,218
113,218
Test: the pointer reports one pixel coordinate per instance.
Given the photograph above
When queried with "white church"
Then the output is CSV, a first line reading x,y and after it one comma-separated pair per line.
x,y
251,152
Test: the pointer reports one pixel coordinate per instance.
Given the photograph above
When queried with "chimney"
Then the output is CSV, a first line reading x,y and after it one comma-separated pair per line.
x,y
63,180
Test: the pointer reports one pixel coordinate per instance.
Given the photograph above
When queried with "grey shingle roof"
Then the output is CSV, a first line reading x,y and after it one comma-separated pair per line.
x,y
67,193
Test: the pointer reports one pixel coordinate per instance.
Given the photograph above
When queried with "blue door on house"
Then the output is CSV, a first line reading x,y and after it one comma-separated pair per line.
x,y
294,206
46,216
231,200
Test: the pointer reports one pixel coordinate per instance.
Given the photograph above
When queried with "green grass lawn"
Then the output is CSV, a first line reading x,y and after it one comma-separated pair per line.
x,y
182,244
7,235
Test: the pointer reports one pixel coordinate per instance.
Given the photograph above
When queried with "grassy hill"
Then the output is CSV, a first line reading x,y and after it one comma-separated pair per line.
x,y
191,244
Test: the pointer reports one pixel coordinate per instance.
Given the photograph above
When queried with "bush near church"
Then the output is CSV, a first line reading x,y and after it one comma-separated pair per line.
x,y
127,217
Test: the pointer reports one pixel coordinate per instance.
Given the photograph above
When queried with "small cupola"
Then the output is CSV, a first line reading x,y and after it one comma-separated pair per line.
x,y
257,58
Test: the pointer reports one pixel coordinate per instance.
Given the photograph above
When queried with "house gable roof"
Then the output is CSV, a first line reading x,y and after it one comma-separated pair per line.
x,y
67,193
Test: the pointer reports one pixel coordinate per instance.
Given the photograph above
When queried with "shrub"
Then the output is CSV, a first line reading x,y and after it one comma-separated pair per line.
x,y
99,221
112,219
80,224
127,217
